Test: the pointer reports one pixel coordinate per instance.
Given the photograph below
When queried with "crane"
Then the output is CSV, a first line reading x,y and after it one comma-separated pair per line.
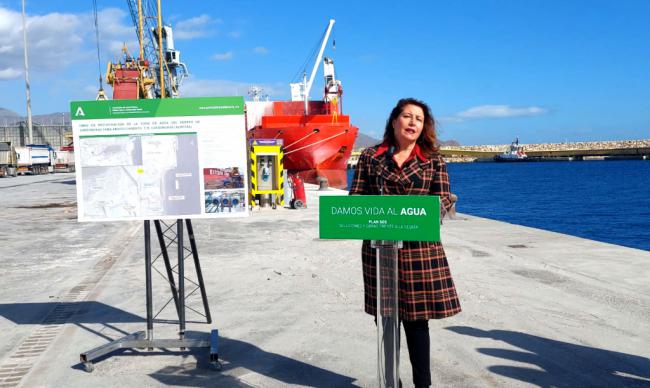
x,y
333,88
157,72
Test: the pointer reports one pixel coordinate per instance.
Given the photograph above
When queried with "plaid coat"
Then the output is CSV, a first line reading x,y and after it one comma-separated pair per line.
x,y
426,289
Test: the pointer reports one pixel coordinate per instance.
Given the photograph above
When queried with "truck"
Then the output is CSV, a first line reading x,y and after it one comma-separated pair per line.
x,y
8,160
64,161
35,159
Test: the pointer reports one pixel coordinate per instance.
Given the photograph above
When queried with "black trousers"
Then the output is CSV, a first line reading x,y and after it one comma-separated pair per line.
x,y
418,343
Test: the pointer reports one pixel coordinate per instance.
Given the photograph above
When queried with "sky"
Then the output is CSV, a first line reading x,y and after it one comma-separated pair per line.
x,y
540,70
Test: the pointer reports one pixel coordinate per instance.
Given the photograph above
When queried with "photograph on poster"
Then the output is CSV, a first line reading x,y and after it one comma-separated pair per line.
x,y
216,178
225,201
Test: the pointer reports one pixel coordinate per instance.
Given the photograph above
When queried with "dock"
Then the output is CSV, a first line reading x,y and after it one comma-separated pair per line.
x,y
539,308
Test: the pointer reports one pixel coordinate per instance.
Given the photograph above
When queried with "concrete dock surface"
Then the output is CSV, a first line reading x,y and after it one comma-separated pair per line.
x,y
539,308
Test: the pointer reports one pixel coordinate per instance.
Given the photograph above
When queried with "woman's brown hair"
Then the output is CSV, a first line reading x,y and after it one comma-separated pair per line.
x,y
427,140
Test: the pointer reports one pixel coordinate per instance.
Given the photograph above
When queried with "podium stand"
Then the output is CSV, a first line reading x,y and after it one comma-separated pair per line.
x,y
388,332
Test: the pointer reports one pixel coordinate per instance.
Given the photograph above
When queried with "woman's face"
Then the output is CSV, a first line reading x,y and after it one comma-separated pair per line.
x,y
408,125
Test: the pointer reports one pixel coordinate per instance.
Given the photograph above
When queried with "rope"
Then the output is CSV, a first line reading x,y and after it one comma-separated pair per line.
x,y
320,141
310,57
301,139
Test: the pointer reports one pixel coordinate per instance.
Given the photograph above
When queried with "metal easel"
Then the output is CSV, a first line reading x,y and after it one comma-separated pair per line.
x,y
145,340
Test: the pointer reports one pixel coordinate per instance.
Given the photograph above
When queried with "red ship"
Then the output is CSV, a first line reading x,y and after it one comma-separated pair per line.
x,y
318,139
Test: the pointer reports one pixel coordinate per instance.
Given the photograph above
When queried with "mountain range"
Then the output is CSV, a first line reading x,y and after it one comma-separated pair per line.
x,y
9,117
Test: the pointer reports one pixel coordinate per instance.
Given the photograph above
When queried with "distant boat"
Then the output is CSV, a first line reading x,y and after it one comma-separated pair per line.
x,y
515,153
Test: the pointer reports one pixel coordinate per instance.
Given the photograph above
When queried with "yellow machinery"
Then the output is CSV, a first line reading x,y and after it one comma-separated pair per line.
x,y
266,172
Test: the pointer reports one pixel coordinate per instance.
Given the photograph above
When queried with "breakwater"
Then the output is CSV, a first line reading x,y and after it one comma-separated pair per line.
x,y
584,150
596,150
567,146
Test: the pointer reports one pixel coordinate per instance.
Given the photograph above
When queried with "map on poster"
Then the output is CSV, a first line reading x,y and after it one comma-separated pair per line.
x,y
160,159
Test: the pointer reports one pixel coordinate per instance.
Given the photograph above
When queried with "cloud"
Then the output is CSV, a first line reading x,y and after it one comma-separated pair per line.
x,y
58,40
494,111
223,56
115,30
261,50
10,73
235,34
196,27
53,40
193,87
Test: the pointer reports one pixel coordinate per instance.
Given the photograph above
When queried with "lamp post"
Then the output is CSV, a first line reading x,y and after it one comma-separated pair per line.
x,y
29,100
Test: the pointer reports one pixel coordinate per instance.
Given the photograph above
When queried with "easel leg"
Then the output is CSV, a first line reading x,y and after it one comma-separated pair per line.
x,y
197,266
181,279
149,291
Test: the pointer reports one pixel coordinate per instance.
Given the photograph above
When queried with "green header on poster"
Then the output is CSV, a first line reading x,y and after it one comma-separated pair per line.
x,y
167,107
374,217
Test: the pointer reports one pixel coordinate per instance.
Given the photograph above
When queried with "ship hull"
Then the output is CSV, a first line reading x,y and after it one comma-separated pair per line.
x,y
512,160
316,146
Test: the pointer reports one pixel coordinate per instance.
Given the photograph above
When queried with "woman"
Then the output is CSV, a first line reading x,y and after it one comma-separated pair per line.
x,y
407,162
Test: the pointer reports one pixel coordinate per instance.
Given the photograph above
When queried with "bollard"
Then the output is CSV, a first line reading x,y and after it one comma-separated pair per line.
x,y
322,183
452,211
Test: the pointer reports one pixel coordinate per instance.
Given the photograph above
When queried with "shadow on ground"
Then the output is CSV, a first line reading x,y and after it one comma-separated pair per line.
x,y
76,313
561,364
67,312
239,359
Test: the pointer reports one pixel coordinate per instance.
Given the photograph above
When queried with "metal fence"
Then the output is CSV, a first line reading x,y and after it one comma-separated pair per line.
x,y
51,134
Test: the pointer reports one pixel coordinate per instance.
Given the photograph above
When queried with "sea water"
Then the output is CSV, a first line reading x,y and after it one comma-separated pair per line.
x,y
606,201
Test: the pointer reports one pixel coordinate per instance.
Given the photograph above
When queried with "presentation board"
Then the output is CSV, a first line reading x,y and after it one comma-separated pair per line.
x,y
160,158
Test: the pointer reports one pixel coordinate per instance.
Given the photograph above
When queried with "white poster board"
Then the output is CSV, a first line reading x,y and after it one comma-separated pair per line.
x,y
160,159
